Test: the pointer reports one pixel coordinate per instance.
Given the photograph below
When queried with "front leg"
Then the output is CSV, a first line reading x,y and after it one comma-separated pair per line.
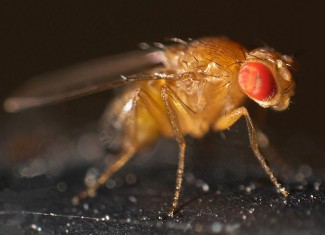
x,y
228,120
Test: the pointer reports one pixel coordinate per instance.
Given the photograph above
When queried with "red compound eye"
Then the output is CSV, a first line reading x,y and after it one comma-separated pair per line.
x,y
257,81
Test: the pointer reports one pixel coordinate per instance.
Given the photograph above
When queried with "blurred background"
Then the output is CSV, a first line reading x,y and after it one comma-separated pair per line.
x,y
41,36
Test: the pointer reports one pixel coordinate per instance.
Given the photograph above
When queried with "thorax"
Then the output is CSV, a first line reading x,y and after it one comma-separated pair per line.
x,y
209,85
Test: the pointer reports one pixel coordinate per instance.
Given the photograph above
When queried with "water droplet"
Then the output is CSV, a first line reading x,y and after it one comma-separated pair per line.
x,y
61,187
91,176
86,206
110,183
130,179
248,189
133,199
317,185
35,227
205,187
216,227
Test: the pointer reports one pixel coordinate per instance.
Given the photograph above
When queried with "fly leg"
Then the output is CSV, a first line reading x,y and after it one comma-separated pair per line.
x,y
228,120
166,97
108,172
131,144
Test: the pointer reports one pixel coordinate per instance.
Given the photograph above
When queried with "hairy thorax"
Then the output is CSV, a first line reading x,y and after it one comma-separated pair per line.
x,y
208,85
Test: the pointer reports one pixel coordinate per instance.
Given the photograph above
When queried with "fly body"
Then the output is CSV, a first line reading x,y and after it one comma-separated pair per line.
x,y
187,88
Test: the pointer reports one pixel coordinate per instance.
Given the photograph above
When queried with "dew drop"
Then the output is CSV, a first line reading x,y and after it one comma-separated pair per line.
x,y
216,227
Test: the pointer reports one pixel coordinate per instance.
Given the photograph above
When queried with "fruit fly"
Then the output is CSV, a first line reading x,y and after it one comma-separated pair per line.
x,y
188,88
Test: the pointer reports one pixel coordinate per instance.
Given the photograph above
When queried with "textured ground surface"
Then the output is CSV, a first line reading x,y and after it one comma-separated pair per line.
x,y
224,195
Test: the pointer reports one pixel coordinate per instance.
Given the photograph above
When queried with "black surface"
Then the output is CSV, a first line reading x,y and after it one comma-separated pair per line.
x,y
216,199
45,153
224,195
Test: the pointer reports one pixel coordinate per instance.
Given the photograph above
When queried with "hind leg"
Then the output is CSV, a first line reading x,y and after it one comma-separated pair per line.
x,y
108,172
131,144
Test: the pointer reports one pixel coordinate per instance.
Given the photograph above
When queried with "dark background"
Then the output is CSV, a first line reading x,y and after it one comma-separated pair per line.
x,y
40,36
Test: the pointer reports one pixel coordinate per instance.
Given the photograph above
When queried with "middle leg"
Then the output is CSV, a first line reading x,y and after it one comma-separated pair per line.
x,y
167,97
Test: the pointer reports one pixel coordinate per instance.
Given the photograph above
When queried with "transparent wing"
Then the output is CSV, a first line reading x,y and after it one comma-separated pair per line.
x,y
84,79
